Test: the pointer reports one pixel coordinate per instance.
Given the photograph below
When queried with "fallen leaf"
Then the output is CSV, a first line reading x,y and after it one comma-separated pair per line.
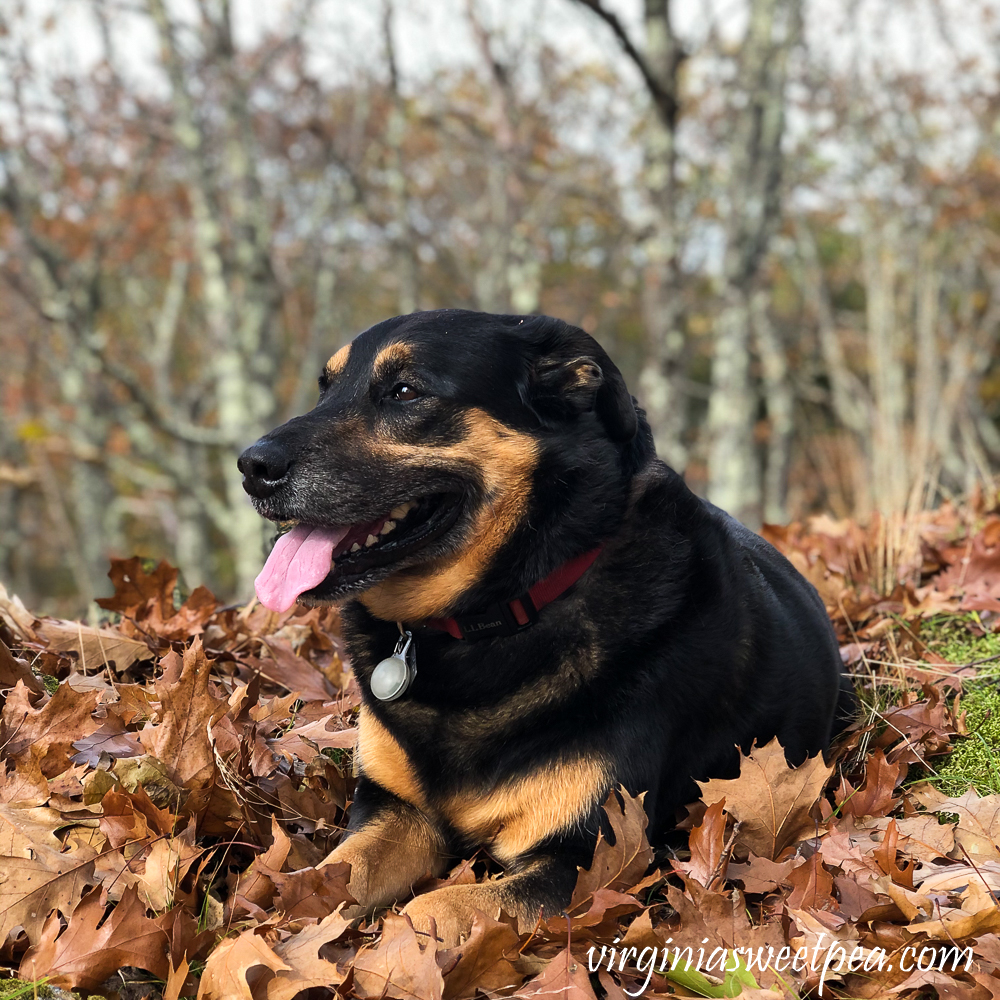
x,y
295,673
31,888
564,978
957,925
307,969
397,966
760,875
225,975
706,842
65,717
812,886
307,740
978,829
876,796
25,785
22,828
772,801
111,739
620,865
311,892
484,962
97,647
20,620
953,878
85,955
13,669
181,739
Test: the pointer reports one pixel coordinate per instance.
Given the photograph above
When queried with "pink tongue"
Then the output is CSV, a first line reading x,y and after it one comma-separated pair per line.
x,y
299,561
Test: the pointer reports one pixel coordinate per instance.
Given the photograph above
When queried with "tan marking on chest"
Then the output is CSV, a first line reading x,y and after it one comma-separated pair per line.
x,y
385,762
519,814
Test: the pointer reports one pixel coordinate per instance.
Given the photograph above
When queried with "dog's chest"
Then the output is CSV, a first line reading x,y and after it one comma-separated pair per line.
x,y
509,817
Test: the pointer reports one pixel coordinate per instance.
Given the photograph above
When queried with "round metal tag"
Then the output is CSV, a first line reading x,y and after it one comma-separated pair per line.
x,y
393,675
390,678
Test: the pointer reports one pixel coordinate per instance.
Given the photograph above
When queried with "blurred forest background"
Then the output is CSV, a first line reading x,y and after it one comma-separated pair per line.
x,y
781,218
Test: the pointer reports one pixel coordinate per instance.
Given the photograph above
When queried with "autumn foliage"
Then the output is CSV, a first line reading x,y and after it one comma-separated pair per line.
x,y
174,776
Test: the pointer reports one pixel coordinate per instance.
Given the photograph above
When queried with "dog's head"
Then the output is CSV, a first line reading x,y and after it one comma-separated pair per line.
x,y
450,452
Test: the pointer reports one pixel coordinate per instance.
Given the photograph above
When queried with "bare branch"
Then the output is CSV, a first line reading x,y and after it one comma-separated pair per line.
x,y
665,100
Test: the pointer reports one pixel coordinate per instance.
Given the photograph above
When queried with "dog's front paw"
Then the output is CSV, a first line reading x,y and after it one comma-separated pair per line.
x,y
452,910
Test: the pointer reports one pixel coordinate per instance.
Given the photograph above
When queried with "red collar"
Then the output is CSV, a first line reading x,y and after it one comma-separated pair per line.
x,y
510,617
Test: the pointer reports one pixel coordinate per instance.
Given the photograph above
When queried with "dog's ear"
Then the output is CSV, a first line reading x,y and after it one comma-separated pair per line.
x,y
563,387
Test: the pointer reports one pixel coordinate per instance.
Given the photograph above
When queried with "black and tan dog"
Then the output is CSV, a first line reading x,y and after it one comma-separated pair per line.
x,y
580,619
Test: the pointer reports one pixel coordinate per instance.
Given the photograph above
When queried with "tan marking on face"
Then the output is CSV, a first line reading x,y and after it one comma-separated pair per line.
x,y
384,761
505,460
397,353
387,856
522,813
338,362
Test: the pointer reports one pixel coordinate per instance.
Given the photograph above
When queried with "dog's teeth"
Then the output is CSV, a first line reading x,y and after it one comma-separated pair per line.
x,y
370,540
387,527
399,512
355,547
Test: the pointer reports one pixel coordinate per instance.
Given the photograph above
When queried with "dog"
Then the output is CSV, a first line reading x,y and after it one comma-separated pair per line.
x,y
537,609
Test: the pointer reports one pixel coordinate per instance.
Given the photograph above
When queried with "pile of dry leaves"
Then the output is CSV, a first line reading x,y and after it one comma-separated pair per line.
x,y
172,780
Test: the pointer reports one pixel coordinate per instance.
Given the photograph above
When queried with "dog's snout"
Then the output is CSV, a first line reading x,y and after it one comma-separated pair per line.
x,y
264,466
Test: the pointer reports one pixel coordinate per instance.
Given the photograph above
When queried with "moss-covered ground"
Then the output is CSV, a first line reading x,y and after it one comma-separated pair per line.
x,y
975,759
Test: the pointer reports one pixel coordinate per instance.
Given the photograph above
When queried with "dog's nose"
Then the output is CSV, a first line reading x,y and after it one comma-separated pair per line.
x,y
264,466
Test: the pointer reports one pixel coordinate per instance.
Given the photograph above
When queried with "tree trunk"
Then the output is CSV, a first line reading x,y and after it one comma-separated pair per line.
x,y
753,213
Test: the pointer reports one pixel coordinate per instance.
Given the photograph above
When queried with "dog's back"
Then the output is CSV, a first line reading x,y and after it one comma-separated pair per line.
x,y
721,642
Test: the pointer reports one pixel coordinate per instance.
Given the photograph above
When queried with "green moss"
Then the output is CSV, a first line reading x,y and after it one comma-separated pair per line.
x,y
975,759
51,684
21,989
957,639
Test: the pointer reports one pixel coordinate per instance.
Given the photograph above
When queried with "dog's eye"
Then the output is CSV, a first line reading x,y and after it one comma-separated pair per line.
x,y
404,393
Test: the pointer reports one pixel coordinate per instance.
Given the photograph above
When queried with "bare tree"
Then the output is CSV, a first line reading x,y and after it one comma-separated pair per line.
x,y
658,62
757,126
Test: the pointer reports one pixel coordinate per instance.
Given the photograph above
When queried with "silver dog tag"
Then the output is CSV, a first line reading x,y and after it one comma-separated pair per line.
x,y
393,675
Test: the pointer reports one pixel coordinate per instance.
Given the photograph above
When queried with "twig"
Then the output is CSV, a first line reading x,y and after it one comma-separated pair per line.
x,y
975,868
724,856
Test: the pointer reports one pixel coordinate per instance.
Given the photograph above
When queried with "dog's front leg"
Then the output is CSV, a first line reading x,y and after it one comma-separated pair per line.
x,y
391,846
542,887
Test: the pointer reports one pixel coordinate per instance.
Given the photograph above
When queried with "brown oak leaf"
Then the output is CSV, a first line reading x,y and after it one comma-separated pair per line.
x,y
65,717
295,673
398,967
564,978
85,954
181,741
812,886
31,888
302,953
111,738
225,975
706,841
876,795
96,647
13,669
978,829
772,801
311,892
621,865
485,961
760,875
